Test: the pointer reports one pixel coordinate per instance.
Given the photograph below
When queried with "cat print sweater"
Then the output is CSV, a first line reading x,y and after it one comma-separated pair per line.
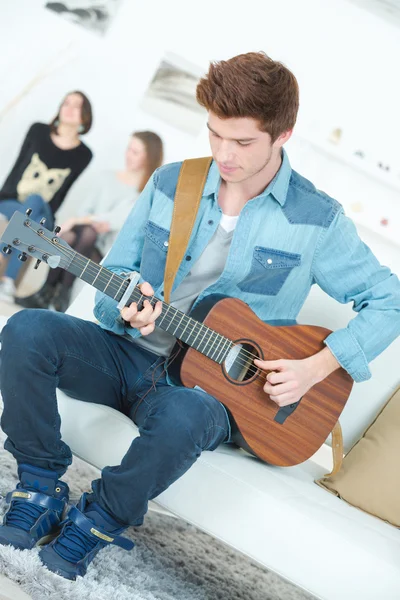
x,y
43,168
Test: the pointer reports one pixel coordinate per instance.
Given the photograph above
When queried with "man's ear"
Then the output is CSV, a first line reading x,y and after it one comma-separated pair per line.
x,y
283,138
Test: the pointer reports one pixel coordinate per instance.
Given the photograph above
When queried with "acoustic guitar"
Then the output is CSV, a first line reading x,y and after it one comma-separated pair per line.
x,y
219,341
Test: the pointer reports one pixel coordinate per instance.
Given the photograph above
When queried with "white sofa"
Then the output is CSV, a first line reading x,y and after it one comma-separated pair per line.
x,y
277,516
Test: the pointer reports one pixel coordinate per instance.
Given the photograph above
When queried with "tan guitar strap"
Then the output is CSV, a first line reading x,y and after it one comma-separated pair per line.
x,y
191,181
337,449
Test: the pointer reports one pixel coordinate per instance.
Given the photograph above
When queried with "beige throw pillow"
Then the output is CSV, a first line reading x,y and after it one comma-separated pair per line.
x,y
370,474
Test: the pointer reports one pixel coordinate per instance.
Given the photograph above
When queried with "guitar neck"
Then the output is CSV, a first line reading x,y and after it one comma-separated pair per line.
x,y
177,323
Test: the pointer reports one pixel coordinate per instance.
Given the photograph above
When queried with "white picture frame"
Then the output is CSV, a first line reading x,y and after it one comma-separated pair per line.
x,y
171,94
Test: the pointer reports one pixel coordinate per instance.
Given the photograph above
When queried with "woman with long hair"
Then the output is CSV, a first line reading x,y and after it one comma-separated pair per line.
x,y
51,158
93,231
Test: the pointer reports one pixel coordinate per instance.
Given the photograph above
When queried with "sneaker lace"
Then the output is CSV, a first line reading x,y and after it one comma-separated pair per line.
x,y
23,514
73,544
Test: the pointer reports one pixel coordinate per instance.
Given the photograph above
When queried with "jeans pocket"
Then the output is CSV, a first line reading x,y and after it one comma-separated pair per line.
x,y
269,270
154,254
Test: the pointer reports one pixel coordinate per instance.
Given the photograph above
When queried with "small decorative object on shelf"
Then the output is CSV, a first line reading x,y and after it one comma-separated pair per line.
x,y
357,207
384,222
335,136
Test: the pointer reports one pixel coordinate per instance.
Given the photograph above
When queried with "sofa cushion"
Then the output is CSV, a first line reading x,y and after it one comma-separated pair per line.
x,y
276,516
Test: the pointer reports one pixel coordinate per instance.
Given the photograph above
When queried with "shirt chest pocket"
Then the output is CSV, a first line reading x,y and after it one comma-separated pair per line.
x,y
154,254
269,270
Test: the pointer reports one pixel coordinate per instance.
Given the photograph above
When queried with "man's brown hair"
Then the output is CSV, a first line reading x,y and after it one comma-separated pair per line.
x,y
252,85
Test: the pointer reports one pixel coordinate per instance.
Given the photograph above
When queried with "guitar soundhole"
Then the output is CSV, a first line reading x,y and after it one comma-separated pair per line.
x,y
239,365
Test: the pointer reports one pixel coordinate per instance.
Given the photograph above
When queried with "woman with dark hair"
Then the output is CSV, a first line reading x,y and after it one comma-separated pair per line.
x,y
93,231
51,158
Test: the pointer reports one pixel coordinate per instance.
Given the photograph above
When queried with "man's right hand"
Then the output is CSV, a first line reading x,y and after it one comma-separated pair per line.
x,y
143,319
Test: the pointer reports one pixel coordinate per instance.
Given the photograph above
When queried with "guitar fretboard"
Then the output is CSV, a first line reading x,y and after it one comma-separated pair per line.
x,y
194,333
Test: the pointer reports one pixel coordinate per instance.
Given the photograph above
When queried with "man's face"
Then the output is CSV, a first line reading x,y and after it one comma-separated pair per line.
x,y
239,148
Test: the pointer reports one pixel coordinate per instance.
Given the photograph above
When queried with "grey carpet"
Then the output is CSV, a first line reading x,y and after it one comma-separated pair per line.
x,y
171,561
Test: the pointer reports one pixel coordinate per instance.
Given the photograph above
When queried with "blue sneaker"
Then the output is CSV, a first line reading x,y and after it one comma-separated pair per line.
x,y
36,508
87,529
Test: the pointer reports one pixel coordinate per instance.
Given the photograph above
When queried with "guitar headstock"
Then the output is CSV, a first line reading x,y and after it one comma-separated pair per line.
x,y
33,239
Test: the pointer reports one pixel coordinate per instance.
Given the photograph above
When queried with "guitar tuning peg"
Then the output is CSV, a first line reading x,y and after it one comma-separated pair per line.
x,y
7,249
37,263
43,221
28,212
57,229
22,257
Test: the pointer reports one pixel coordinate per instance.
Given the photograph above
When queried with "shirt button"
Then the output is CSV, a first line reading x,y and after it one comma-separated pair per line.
x,y
188,257
210,222
162,293
269,261
165,244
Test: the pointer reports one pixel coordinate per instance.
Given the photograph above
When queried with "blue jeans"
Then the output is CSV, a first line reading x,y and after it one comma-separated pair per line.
x,y
42,350
40,209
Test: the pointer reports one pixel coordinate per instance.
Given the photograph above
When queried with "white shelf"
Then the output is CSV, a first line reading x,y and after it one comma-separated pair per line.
x,y
371,212
388,233
386,178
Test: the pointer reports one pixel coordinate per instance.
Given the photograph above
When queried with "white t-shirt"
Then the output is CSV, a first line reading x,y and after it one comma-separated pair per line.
x,y
228,223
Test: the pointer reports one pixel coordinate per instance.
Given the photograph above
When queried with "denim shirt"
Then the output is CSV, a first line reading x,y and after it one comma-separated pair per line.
x,y
286,239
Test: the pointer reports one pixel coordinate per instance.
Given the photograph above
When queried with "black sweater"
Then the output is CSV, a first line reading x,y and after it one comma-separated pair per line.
x,y
43,168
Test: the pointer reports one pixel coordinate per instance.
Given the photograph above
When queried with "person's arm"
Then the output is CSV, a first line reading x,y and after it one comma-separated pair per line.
x,y
347,270
72,222
88,214
125,256
76,173
88,202
59,196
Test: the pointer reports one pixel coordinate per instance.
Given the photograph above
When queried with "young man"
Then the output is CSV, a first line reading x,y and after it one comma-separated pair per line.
x,y
264,234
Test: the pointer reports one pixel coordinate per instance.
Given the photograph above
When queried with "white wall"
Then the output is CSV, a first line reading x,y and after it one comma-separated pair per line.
x,y
344,58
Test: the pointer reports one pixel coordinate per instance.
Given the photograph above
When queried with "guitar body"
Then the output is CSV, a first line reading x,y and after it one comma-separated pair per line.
x,y
302,432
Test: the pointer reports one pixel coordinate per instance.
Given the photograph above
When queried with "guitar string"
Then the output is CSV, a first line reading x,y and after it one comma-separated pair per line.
x,y
71,253
75,255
